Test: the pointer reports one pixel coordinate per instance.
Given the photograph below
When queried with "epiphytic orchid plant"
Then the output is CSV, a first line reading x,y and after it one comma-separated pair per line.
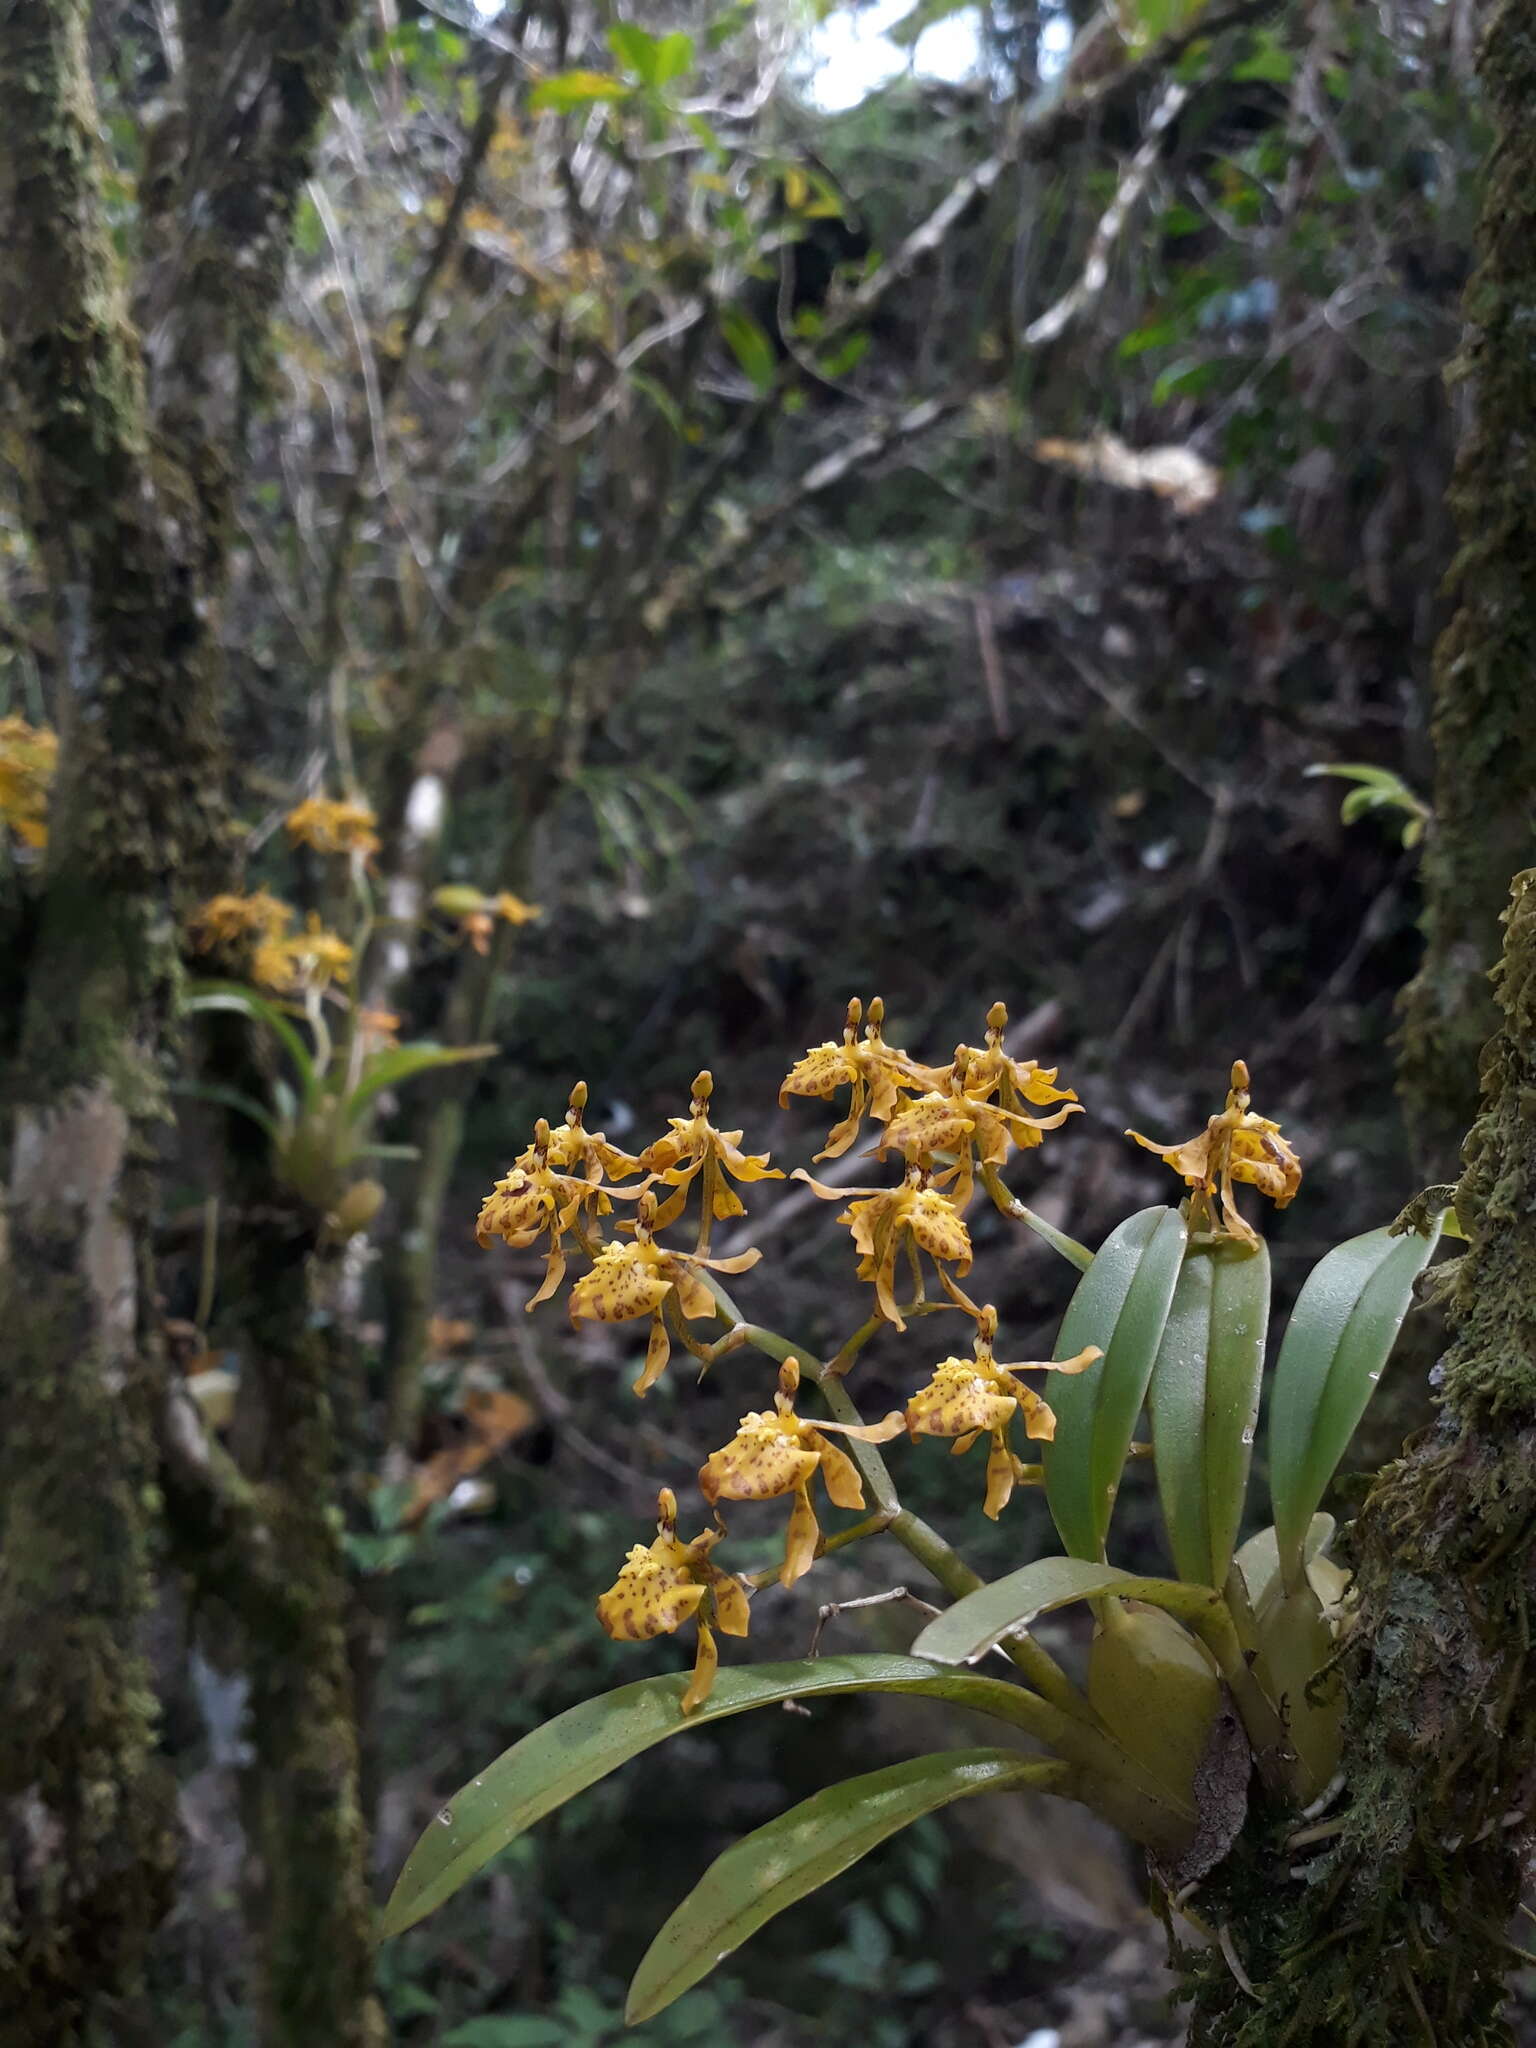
x,y
1193,1683
334,1057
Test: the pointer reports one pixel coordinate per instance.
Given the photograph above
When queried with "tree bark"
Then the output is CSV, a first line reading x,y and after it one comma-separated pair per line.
x,y
130,517
1397,1929
1484,723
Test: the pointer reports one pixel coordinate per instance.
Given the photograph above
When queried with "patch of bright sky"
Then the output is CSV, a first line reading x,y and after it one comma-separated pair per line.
x,y
851,54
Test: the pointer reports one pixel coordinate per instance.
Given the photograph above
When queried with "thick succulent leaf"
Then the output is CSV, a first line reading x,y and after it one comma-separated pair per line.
x,y
1204,1403
973,1625
586,1742
1121,1304
803,1849
402,1063
1258,1561
231,997
1343,1327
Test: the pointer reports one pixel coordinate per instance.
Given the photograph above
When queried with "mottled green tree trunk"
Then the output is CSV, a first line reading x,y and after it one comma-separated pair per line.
x,y
86,1845
1392,1925
303,1805
1485,664
128,482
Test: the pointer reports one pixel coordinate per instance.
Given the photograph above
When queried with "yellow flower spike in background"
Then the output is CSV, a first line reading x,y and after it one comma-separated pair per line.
x,y
1237,1145
310,959
29,756
886,1222
668,1582
513,910
875,1071
777,1452
225,920
643,1278
535,1200
694,1149
971,1397
333,825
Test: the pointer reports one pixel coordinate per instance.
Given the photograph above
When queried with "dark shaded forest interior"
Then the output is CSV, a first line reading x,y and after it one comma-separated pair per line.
x,y
549,556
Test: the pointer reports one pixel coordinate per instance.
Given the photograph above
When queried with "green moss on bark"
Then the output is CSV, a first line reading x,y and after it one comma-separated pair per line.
x,y
1484,724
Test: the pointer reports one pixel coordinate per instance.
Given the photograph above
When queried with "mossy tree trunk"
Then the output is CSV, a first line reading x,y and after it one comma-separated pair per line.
x,y
128,492
1397,1930
303,1804
1485,664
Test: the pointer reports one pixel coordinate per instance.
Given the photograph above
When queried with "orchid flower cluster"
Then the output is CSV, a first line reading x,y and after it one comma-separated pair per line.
x,y
951,1129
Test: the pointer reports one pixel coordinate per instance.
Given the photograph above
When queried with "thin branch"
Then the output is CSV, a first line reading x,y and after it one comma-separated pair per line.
x,y
1133,183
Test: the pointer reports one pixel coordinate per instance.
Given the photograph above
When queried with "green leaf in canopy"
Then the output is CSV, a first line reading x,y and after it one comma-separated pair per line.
x,y
973,1625
1204,1403
1121,1304
779,1864
749,345
1341,1331
585,1743
568,90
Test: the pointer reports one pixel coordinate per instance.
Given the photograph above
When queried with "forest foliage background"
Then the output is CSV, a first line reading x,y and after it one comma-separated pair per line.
x,y
745,556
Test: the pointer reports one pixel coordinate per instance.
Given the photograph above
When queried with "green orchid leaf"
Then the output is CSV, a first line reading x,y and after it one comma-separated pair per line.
x,y
777,1865
232,1098
402,1063
975,1624
586,1742
1121,1304
230,996
1204,1403
1341,1331
1258,1561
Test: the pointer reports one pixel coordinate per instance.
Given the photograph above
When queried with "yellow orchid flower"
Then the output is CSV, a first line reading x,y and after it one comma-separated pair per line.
x,y
333,825
971,1397
777,1452
225,920
975,1130
885,1222
310,959
513,910
1237,1145
694,1149
29,757
984,1071
536,1199
663,1584
875,1071
573,1145
643,1278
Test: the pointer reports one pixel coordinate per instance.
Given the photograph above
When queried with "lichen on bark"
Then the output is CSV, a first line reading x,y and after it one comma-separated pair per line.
x,y
1484,826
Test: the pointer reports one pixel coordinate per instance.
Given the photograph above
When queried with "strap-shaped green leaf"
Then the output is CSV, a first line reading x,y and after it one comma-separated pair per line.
x,y
973,1625
1343,1327
402,1063
585,1743
1121,1304
245,1002
1204,1403
802,1850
